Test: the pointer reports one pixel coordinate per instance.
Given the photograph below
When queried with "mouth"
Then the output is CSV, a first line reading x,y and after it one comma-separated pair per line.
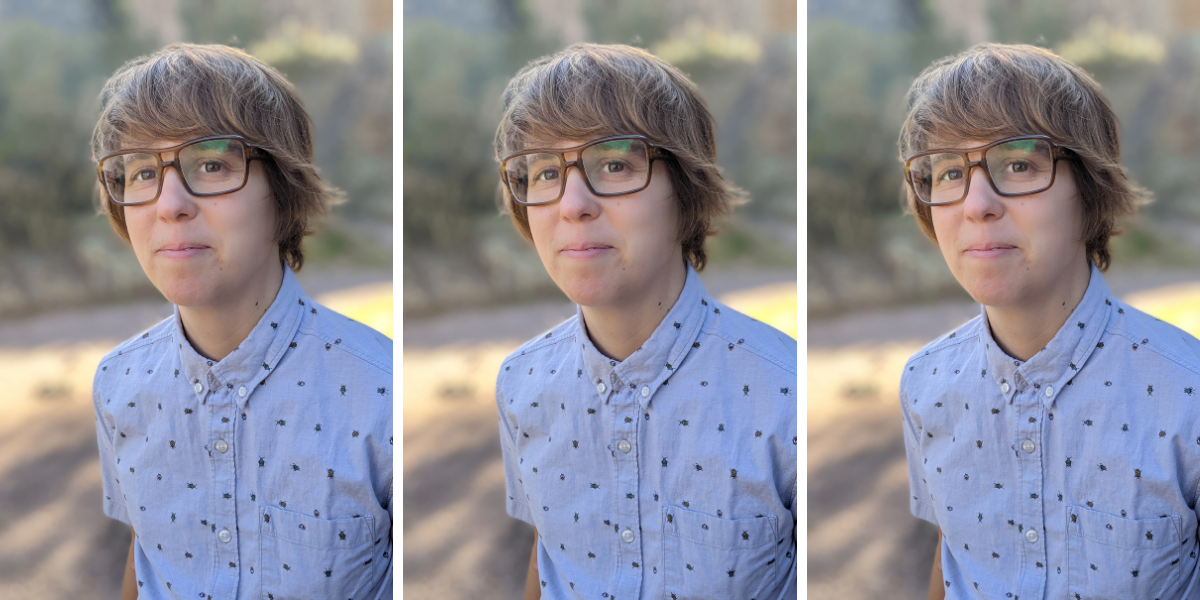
x,y
585,250
989,250
183,250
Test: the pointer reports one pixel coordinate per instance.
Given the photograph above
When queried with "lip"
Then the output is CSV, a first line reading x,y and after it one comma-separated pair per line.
x,y
585,250
989,250
183,250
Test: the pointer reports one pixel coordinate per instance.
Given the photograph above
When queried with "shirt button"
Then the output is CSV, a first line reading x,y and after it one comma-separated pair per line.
x,y
225,536
1028,446
645,391
1031,535
623,446
600,387
222,447
199,388
1049,391
1004,387
627,535
242,392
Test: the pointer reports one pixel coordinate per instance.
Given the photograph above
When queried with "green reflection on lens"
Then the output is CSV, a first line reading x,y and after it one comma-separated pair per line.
x,y
219,145
622,145
1023,145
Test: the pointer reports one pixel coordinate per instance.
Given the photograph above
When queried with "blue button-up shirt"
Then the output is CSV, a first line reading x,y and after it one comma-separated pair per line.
x,y
267,474
1073,475
671,474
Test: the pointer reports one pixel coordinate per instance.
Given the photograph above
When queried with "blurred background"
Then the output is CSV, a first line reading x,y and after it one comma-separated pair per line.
x,y
474,290
71,290
878,290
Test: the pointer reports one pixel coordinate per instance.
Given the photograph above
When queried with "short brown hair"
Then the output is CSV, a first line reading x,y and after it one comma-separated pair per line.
x,y
993,91
186,91
589,91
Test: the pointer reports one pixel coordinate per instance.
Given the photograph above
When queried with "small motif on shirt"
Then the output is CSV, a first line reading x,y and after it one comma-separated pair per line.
x,y
281,422
703,384
595,486
745,390
1187,391
1150,390
983,373
999,486
697,465
1162,434
1088,422
1068,461
684,422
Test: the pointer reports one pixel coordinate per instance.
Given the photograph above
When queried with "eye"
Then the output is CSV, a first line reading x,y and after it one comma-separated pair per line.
x,y
614,167
212,167
953,174
1019,167
546,175
144,175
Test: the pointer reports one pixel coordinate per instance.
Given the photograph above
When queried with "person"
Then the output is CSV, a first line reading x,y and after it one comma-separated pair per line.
x,y
246,439
608,161
1052,438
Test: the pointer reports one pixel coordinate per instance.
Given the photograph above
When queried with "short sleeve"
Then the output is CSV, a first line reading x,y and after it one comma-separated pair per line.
x,y
516,505
114,500
918,492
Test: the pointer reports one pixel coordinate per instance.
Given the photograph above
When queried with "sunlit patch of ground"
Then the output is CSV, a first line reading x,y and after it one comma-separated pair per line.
x,y
771,304
369,304
1178,305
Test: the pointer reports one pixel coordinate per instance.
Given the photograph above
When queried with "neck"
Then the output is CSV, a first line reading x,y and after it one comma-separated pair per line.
x,y
619,330
1022,331
216,330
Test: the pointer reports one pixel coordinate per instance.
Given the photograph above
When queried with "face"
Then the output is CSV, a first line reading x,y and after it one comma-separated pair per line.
x,y
205,251
608,251
1010,252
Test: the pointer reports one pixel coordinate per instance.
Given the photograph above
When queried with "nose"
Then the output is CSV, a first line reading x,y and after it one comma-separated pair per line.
x,y
577,202
982,202
174,202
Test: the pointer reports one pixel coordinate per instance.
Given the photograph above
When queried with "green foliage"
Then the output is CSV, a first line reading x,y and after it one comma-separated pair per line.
x,y
49,82
855,108
452,105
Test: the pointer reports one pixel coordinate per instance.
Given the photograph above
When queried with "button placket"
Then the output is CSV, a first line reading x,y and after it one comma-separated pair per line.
x,y
223,408
1031,499
628,500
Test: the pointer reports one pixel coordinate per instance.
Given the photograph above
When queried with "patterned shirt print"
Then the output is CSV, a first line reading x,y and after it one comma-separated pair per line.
x,y
266,475
1073,475
671,474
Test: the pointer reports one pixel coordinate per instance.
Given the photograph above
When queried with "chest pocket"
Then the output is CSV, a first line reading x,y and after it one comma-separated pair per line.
x,y
305,557
706,557
1114,557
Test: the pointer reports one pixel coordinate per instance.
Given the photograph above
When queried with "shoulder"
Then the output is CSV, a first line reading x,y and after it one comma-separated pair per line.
x,y
555,341
961,340
352,339
1170,342
761,340
144,343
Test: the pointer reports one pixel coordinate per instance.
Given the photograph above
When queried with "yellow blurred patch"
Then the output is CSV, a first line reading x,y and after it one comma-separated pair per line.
x,y
1178,305
773,304
369,304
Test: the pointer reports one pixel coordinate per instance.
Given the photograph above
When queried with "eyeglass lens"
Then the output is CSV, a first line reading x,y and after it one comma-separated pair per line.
x,y
1016,167
208,167
612,167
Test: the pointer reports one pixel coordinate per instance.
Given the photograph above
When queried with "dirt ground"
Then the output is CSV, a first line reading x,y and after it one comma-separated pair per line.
x,y
55,542
862,541
458,540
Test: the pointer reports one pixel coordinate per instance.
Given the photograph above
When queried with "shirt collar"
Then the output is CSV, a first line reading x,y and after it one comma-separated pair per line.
x,y
258,354
653,363
1055,365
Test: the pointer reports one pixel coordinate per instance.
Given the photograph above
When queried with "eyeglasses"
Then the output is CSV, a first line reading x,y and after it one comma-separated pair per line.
x,y
208,166
1014,166
610,166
